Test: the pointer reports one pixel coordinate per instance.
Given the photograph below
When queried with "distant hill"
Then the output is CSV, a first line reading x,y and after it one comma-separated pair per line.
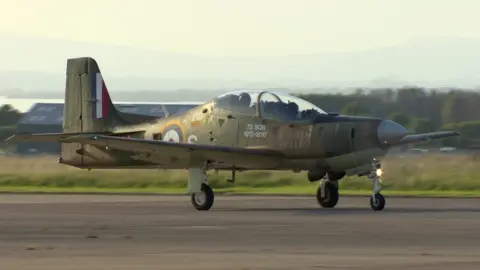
x,y
38,64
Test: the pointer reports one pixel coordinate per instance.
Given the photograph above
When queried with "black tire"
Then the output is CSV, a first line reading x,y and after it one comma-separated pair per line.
x,y
208,198
379,203
331,195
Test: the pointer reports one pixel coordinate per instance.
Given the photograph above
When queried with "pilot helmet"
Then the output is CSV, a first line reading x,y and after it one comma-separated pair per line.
x,y
245,98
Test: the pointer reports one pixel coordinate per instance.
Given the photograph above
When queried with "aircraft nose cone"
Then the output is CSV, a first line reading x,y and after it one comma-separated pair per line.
x,y
389,131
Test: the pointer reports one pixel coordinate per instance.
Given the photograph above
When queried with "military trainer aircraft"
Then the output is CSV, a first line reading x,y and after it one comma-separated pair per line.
x,y
237,131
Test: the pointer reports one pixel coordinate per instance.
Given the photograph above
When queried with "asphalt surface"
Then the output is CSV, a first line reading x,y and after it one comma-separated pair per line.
x,y
164,232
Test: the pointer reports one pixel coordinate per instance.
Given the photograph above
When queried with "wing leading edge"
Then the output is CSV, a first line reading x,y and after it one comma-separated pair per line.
x,y
413,138
156,146
44,137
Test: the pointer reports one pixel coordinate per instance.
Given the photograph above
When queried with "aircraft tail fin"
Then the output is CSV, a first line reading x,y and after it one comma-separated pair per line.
x,y
88,109
88,106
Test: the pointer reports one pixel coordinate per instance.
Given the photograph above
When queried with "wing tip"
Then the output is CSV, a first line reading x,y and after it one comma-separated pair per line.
x,y
9,139
450,133
15,137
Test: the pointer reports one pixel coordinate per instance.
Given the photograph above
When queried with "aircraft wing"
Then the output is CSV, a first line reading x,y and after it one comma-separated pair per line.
x,y
194,152
413,138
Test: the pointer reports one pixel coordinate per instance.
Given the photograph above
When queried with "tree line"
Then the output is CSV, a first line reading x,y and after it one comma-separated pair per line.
x,y
418,109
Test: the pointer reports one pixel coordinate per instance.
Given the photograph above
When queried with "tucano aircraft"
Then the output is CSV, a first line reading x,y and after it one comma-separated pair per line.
x,y
237,131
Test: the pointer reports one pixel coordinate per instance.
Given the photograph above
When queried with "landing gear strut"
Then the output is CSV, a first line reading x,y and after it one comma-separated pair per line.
x,y
377,201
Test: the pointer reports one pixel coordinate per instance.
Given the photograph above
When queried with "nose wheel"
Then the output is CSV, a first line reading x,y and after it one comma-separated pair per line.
x,y
377,202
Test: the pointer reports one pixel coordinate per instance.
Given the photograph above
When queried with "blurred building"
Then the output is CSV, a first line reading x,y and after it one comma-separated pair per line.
x,y
48,117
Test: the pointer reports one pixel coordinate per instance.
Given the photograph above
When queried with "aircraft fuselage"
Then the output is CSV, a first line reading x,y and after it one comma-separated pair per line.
x,y
340,143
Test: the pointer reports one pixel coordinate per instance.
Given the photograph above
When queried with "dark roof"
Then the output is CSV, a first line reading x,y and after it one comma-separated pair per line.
x,y
52,113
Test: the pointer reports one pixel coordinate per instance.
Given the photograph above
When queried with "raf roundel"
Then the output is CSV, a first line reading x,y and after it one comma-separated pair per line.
x,y
192,138
173,133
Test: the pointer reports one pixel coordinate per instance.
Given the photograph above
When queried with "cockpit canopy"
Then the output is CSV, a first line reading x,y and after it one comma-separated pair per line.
x,y
268,105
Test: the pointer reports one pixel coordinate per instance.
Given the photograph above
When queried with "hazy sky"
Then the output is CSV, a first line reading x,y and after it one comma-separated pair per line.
x,y
242,27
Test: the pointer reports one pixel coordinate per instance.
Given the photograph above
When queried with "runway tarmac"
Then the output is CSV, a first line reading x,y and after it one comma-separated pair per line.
x,y
98,232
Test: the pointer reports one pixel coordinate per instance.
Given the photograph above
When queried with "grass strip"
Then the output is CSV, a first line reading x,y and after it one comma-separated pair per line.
x,y
416,175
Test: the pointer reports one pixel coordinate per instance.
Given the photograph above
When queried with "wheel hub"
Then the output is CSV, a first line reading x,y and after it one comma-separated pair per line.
x,y
199,198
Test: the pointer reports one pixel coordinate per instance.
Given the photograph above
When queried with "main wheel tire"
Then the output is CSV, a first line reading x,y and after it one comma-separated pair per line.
x,y
331,195
378,203
203,200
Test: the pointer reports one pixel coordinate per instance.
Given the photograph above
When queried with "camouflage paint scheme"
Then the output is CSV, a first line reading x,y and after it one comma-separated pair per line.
x,y
256,130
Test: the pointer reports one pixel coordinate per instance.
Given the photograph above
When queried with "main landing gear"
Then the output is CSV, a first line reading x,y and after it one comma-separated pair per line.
x,y
327,192
202,195
204,199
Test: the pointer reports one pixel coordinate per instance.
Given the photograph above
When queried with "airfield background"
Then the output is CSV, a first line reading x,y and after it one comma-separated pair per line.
x,y
418,109
48,117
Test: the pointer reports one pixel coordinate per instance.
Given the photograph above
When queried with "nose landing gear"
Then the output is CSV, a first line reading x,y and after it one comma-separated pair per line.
x,y
377,201
327,192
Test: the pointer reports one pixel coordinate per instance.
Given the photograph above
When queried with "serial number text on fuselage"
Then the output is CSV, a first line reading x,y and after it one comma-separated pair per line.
x,y
255,131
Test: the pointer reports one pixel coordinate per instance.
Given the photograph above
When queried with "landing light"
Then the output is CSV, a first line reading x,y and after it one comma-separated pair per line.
x,y
379,172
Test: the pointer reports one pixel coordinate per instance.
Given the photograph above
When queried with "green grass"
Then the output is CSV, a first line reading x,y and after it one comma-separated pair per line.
x,y
428,175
